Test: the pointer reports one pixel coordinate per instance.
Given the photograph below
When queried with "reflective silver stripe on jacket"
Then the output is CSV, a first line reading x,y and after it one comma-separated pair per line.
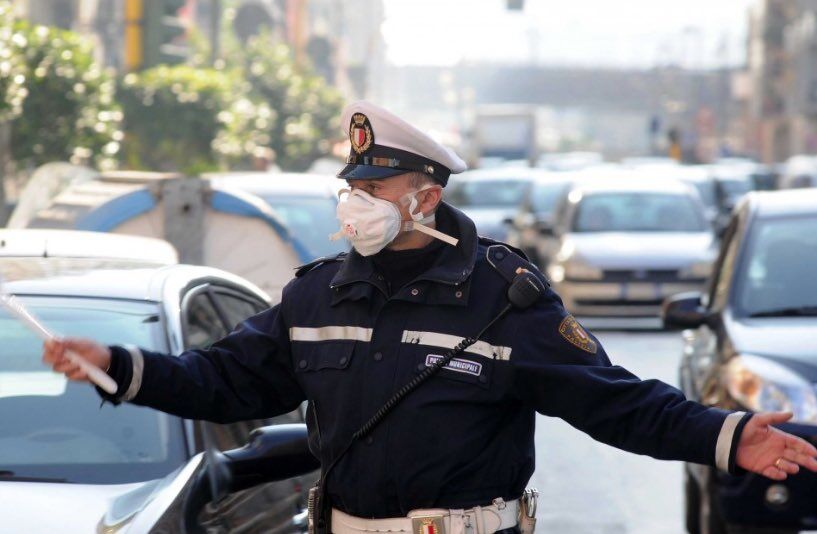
x,y
330,333
437,339
725,437
138,362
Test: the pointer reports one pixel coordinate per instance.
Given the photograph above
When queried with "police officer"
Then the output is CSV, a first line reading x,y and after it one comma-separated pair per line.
x,y
352,329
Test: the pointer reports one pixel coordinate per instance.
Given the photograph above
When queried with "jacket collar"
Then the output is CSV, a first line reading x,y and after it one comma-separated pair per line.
x,y
453,267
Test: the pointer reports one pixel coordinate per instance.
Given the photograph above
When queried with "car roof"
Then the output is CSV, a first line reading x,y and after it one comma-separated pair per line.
x,y
503,173
783,202
99,279
79,244
628,180
279,183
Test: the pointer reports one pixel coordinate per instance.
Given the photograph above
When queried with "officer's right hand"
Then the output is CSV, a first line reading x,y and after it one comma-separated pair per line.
x,y
93,352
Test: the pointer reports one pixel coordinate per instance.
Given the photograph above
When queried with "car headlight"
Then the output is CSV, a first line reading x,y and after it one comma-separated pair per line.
x,y
762,385
574,269
699,269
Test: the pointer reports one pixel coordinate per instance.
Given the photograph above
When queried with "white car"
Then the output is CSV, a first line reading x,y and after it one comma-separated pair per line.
x,y
69,464
625,243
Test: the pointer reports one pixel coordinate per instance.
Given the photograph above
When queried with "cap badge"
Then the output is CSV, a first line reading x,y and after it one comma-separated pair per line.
x,y
360,133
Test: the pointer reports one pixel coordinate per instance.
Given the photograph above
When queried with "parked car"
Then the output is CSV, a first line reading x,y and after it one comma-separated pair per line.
x,y
627,242
304,202
799,172
132,250
750,345
533,223
491,196
68,464
732,182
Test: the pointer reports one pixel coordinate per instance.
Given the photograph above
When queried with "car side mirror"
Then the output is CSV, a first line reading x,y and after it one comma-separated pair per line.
x,y
272,453
684,310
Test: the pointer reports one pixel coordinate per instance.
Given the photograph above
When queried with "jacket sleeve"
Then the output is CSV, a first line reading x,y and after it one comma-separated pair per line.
x,y
562,371
246,375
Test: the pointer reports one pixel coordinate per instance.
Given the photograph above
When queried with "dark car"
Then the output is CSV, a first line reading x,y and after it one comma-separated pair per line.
x,y
751,344
69,464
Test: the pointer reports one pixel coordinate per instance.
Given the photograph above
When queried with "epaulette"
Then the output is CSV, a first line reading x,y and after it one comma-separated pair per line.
x,y
507,261
488,242
303,269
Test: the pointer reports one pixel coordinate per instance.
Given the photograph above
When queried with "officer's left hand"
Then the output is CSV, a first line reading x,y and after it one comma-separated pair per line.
x,y
771,452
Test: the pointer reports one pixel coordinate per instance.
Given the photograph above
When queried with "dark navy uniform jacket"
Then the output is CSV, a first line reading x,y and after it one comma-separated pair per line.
x,y
467,435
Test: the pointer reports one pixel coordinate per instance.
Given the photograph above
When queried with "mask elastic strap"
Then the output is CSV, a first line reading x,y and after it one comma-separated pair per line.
x,y
417,217
408,226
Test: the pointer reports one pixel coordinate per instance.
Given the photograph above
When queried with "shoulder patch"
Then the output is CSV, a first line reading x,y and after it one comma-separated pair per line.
x,y
571,330
303,269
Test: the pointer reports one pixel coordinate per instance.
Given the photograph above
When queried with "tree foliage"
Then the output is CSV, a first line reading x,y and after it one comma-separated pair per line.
x,y
12,68
307,110
69,111
188,119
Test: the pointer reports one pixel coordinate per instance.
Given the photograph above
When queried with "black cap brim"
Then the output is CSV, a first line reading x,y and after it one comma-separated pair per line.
x,y
369,172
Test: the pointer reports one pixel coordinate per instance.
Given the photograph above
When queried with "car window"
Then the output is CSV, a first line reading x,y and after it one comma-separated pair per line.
x,y
235,307
489,193
203,326
778,272
638,212
545,197
55,428
310,219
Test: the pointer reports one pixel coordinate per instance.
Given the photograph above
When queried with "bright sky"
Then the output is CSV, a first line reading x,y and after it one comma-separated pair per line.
x,y
614,33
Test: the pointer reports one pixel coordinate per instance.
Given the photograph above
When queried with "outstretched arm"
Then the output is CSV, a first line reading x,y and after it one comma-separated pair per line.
x,y
246,375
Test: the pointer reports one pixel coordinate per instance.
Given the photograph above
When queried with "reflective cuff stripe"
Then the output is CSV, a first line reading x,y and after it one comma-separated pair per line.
x,y
330,333
724,444
138,362
448,341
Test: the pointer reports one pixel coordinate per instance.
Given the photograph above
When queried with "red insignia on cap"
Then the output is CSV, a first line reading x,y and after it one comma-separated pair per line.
x,y
360,133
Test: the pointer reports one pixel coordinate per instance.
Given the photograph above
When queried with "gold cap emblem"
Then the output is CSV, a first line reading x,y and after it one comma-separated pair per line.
x,y
360,133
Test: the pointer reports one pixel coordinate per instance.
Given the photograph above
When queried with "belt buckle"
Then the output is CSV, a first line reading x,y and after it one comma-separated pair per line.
x,y
428,524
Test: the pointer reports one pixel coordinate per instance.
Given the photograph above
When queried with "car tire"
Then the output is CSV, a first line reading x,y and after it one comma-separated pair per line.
x,y
692,504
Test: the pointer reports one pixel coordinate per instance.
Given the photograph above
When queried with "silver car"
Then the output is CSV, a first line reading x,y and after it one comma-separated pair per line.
x,y
625,243
68,464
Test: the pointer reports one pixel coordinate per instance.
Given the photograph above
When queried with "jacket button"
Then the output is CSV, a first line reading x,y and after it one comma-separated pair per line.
x,y
378,356
302,364
369,440
499,255
343,360
415,292
421,368
483,379
458,294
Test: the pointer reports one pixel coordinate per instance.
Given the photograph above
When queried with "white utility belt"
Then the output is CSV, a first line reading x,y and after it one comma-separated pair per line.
x,y
477,520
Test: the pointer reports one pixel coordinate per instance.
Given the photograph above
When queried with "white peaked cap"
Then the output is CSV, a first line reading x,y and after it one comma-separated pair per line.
x,y
385,145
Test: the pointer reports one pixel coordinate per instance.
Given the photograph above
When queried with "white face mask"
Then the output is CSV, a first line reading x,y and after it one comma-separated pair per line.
x,y
372,223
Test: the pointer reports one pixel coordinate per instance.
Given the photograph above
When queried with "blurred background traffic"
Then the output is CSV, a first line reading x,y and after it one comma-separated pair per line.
x,y
657,160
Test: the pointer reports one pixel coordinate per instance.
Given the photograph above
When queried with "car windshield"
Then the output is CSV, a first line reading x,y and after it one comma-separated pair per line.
x,y
56,429
545,197
638,212
311,219
777,276
488,193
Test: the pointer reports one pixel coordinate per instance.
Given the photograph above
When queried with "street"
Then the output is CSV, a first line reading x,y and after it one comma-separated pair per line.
x,y
587,487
